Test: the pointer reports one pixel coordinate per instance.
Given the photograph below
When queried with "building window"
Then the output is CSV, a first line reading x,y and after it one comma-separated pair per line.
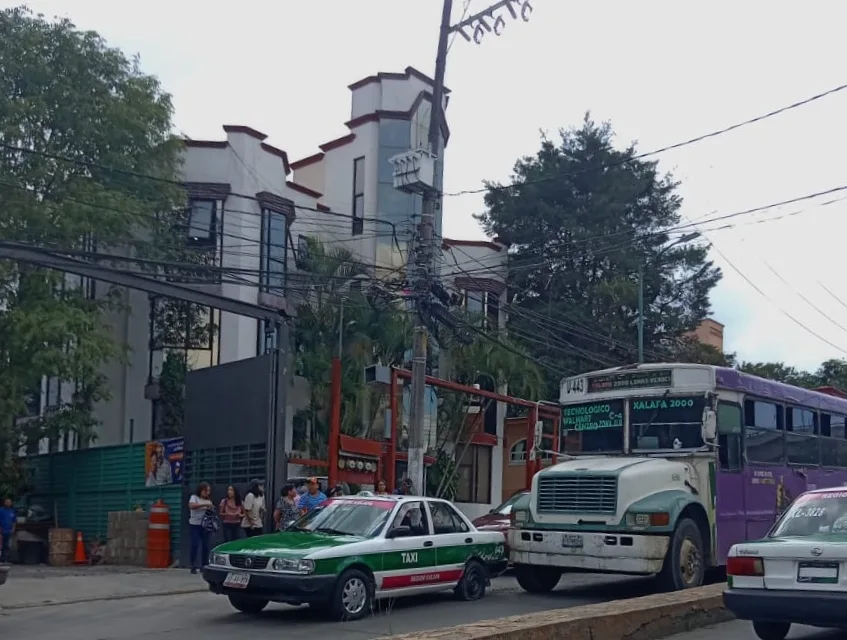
x,y
358,196
518,452
474,471
302,258
272,260
486,306
202,222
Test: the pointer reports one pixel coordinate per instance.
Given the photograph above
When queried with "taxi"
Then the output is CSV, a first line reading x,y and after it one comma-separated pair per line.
x,y
797,574
353,550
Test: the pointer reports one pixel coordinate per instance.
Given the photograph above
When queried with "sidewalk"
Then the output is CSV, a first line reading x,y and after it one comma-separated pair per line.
x,y
39,586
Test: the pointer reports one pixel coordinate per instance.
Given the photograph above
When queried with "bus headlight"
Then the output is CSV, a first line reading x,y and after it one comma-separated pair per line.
x,y
644,520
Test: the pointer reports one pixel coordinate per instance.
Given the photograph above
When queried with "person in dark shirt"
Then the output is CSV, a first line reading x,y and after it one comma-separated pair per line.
x,y
8,519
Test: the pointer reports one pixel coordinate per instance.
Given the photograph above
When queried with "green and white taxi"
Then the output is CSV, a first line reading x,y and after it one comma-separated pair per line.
x,y
353,550
797,574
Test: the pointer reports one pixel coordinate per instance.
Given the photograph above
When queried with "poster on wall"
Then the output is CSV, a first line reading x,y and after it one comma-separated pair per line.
x,y
163,462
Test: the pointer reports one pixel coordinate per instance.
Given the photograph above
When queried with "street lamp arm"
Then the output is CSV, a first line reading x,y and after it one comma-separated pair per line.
x,y
485,21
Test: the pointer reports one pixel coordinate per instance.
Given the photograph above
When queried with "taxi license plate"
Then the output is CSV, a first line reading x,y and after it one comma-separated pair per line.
x,y
237,580
572,541
817,572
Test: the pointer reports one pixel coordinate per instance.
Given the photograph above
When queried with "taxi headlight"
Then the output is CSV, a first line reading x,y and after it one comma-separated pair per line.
x,y
293,565
220,559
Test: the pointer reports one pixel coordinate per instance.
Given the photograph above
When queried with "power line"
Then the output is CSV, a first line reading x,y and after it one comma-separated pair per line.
x,y
766,297
640,156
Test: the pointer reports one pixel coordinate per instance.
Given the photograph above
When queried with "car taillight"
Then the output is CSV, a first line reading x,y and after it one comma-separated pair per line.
x,y
745,567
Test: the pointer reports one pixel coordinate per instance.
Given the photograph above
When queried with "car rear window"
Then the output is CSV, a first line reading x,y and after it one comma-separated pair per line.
x,y
814,514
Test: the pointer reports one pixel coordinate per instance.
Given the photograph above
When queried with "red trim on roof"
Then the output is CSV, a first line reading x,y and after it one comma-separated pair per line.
x,y
408,72
309,160
239,128
322,207
279,153
304,190
486,244
206,144
338,142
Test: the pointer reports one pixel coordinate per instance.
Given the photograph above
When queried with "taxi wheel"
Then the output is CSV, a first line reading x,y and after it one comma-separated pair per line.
x,y
353,596
473,583
248,605
684,566
535,579
771,630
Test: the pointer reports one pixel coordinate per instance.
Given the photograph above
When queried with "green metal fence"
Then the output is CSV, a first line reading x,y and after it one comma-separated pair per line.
x,y
82,487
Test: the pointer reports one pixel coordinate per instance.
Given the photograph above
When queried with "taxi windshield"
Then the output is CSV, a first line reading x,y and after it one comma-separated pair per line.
x,y
346,517
814,514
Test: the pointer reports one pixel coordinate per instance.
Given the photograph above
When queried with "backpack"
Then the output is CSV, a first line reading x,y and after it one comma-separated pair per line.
x,y
211,522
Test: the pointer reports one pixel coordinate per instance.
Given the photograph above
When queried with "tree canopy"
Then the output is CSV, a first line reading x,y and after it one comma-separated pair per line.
x,y
80,123
582,218
831,373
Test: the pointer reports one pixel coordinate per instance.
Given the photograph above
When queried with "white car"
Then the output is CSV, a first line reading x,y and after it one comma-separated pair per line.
x,y
797,574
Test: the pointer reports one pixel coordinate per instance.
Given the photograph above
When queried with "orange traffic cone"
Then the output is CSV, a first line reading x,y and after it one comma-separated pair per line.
x,y
79,552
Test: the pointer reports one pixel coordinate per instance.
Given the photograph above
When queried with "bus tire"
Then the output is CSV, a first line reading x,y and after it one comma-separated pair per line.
x,y
684,566
534,579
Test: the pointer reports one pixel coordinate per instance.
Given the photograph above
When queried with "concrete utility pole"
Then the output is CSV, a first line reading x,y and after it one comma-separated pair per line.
x,y
483,22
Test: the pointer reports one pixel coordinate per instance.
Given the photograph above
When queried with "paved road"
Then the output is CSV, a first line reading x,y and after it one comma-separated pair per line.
x,y
741,630
208,617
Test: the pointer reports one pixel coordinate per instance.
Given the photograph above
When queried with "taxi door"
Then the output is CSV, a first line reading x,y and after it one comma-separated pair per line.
x,y
408,561
455,542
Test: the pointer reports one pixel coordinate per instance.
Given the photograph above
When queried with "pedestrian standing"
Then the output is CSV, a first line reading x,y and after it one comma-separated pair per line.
x,y
231,511
254,509
286,507
198,504
312,498
8,520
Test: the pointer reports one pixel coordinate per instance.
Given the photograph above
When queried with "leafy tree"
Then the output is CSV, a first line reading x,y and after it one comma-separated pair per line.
x,y
583,217
690,349
65,94
831,373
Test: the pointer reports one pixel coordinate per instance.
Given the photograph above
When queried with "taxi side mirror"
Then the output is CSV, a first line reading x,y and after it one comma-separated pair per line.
x,y
399,532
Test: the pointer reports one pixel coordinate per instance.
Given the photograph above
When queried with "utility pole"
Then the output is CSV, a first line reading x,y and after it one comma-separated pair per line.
x,y
481,23
431,199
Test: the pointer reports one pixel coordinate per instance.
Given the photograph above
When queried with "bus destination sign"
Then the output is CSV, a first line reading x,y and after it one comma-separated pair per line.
x,y
593,416
630,380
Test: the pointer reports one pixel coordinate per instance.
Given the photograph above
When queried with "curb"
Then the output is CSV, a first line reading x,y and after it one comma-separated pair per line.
x,y
130,596
645,618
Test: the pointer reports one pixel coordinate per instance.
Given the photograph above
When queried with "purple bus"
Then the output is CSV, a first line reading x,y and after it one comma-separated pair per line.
x,y
666,466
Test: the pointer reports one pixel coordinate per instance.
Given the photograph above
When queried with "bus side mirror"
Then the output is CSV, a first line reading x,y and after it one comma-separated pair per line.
x,y
710,425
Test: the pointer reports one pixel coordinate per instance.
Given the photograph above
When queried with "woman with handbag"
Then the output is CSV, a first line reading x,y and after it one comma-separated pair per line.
x,y
231,511
198,504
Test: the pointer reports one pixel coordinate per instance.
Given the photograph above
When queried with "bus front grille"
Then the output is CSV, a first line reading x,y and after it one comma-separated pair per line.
x,y
577,494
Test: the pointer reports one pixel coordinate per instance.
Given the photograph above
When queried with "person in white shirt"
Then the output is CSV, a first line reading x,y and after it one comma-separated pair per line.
x,y
198,504
254,509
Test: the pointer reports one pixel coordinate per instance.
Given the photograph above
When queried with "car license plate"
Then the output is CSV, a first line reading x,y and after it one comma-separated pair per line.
x,y
817,572
572,541
237,580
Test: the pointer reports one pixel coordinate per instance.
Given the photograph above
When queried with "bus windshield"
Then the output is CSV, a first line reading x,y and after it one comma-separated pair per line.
x,y
666,423
593,427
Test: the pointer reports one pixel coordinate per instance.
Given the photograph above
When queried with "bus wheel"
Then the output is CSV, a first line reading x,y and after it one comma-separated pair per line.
x,y
536,579
684,566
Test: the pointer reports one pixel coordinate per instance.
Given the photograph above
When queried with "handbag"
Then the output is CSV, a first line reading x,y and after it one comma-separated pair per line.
x,y
211,522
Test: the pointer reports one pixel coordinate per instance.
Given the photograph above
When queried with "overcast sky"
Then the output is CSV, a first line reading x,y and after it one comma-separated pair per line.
x,y
661,71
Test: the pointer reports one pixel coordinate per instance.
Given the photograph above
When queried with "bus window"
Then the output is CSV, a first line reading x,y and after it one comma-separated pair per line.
x,y
669,423
801,443
762,434
833,440
729,436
